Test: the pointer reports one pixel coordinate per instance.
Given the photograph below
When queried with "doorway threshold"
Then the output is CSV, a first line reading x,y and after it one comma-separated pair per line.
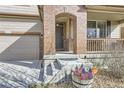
x,y
66,55
64,52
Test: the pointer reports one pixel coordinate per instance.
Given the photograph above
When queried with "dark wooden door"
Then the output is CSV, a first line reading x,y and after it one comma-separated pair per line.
x,y
59,37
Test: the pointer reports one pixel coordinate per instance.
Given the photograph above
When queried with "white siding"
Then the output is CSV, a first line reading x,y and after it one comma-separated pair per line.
x,y
115,30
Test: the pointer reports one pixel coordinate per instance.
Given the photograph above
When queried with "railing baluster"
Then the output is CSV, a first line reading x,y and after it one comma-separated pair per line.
x,y
95,45
106,45
92,45
90,42
98,45
101,45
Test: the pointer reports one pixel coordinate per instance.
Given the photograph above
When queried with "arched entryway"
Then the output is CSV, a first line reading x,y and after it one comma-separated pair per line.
x,y
65,32
77,17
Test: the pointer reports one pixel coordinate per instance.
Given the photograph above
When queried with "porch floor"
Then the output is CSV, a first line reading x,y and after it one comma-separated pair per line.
x,y
64,52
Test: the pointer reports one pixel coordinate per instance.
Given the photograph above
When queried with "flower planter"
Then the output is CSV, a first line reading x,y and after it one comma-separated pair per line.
x,y
83,76
78,83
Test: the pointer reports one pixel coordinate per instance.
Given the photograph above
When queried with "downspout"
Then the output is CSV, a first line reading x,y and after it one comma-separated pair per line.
x,y
40,10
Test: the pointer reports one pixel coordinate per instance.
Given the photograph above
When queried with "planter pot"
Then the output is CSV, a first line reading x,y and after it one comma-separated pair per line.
x,y
81,83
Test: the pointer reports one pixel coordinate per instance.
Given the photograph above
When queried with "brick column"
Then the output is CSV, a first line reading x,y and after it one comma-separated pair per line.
x,y
81,34
49,31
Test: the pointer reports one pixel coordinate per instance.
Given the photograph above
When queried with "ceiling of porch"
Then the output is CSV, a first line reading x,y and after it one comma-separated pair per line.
x,y
115,13
105,16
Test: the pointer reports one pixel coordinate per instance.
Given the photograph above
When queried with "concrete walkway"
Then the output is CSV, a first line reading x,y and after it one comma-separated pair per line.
x,y
14,74
19,73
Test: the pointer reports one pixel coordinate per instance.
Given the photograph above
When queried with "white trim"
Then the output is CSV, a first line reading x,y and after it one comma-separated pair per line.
x,y
104,11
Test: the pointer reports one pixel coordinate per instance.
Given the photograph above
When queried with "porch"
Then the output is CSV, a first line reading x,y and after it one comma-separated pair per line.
x,y
105,29
83,29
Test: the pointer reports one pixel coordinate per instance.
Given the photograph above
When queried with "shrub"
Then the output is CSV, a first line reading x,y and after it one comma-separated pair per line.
x,y
116,61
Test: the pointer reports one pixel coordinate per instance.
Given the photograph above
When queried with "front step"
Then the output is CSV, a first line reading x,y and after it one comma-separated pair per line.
x,y
67,56
64,56
75,56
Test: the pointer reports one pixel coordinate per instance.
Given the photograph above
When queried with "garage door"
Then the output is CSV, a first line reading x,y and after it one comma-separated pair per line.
x,y
23,47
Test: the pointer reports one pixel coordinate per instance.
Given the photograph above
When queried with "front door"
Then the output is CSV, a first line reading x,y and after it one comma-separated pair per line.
x,y
59,36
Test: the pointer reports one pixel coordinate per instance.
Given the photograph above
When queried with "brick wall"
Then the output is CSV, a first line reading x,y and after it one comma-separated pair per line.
x,y
50,13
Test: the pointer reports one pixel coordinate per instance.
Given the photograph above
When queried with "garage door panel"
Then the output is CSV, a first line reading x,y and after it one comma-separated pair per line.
x,y
20,25
24,47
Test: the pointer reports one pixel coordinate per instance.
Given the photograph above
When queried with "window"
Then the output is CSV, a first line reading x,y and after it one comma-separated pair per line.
x,y
91,33
98,29
102,27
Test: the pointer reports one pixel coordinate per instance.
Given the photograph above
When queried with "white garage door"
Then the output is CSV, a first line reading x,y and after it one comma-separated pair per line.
x,y
24,47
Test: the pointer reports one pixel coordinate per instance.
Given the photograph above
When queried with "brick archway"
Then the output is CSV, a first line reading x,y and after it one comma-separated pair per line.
x,y
68,29
49,19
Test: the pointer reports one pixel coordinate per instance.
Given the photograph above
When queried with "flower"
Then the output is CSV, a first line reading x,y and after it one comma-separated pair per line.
x,y
83,77
87,69
94,70
85,72
90,75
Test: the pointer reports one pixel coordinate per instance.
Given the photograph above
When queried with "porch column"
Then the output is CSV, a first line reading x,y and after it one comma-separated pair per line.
x,y
49,32
81,34
71,25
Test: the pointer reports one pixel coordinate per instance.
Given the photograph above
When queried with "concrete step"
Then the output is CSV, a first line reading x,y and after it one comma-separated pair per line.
x,y
67,56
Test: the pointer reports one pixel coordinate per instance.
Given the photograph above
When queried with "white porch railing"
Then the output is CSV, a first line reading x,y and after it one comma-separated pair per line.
x,y
103,45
